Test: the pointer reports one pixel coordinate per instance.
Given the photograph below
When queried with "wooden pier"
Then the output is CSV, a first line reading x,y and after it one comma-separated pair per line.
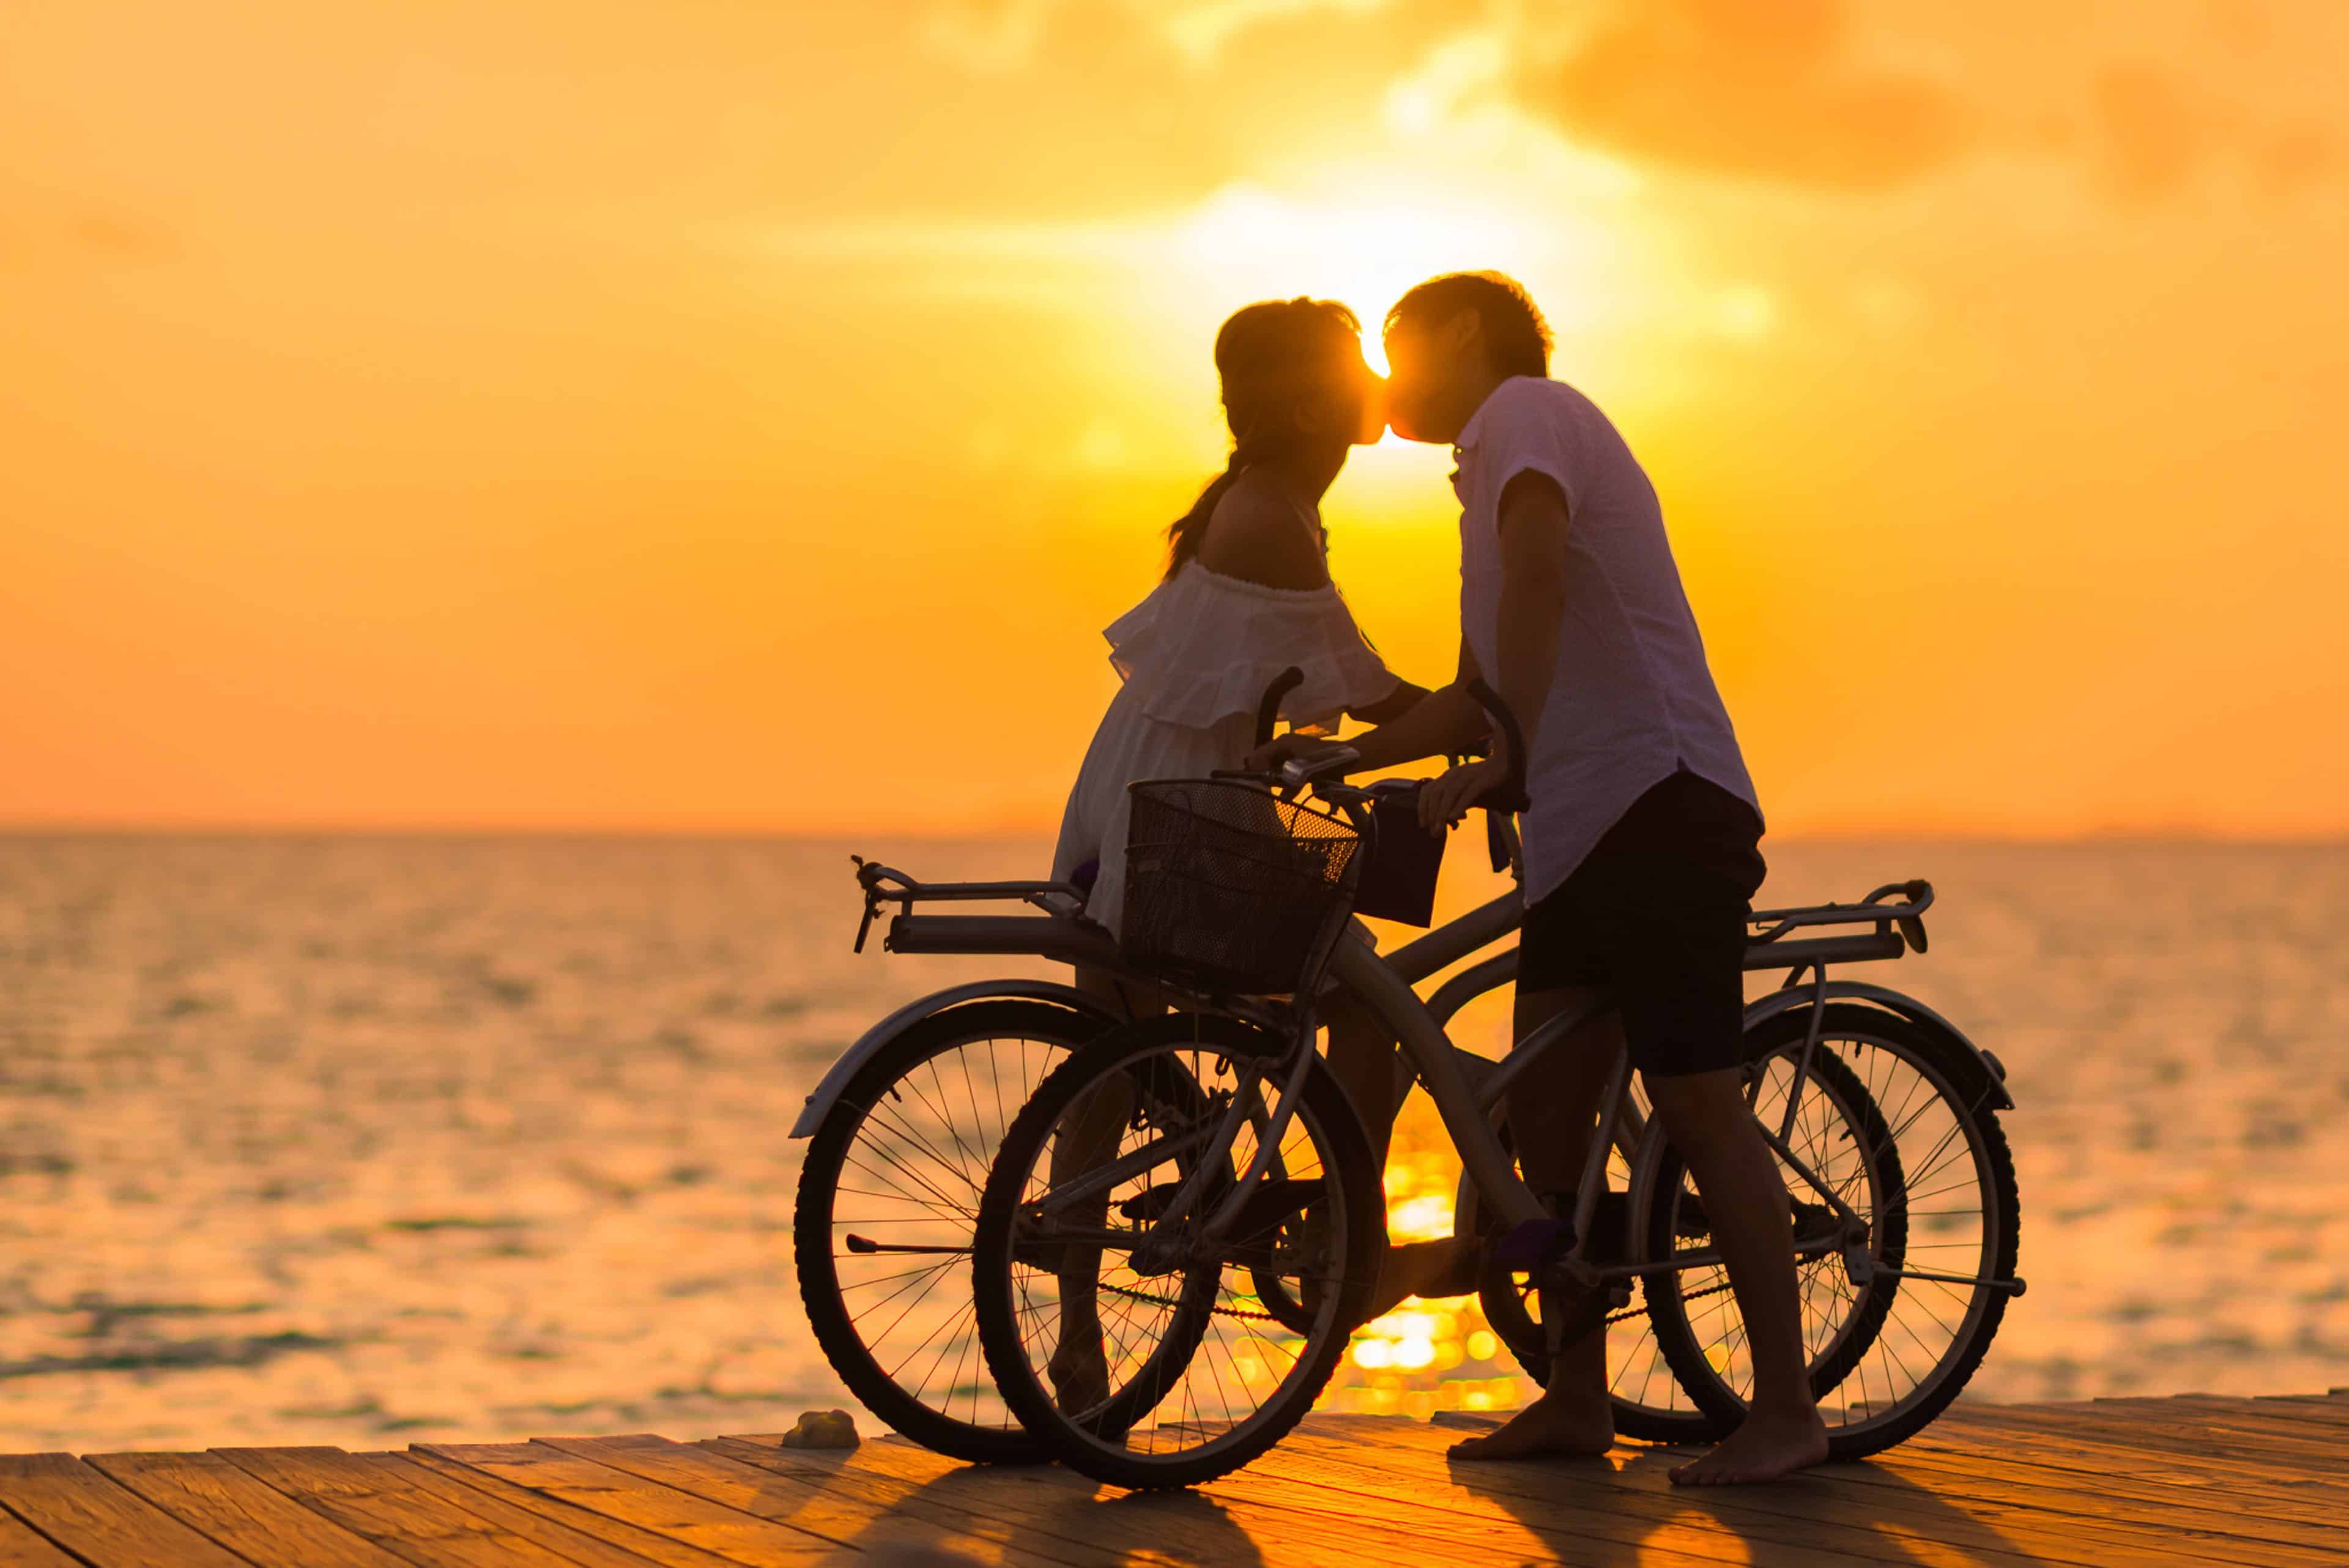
x,y
2189,1481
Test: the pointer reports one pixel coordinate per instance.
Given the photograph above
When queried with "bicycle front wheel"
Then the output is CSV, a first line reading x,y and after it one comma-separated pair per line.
x,y
1093,1270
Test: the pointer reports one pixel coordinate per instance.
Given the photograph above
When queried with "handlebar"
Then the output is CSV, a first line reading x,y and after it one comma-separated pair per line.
x,y
1268,710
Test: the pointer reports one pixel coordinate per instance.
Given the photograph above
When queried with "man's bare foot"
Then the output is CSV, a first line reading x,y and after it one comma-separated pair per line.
x,y
1079,1370
1762,1449
1556,1423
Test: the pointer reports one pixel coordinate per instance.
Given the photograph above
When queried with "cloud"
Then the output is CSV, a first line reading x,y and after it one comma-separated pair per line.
x,y
986,35
2149,135
1760,88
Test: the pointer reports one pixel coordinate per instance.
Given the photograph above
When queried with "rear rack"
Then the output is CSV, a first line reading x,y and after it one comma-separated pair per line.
x,y
1898,927
888,885
1895,911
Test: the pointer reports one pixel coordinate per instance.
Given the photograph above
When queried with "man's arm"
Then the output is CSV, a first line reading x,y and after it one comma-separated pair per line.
x,y
1441,723
1533,524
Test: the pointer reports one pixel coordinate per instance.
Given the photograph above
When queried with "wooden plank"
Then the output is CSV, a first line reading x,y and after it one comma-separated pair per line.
x,y
1055,1513
761,1537
379,1498
21,1546
552,1523
2095,1466
2007,1476
2076,1524
2326,1426
2089,1513
1390,1506
1797,1518
92,1518
2232,1438
2146,1441
2320,1407
1045,1506
1204,1526
252,1520
2193,1444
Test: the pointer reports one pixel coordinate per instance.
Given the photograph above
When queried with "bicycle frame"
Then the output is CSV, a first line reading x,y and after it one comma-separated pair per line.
x,y
1468,1089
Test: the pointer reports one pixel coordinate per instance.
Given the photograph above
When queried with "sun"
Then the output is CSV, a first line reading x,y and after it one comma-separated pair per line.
x,y
1246,242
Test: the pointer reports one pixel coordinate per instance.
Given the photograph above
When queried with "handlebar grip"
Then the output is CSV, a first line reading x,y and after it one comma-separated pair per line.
x,y
1268,710
1513,792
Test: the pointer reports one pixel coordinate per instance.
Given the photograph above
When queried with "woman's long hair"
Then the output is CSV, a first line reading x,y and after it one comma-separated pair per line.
x,y
1271,358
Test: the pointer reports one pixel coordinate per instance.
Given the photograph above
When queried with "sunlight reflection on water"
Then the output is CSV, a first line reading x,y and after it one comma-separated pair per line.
x,y
348,1141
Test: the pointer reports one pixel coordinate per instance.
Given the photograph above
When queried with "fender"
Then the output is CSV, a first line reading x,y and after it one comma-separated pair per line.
x,y
869,1044
1988,1079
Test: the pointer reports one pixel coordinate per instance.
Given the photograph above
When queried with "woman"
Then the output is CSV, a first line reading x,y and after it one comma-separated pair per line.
x,y
1246,595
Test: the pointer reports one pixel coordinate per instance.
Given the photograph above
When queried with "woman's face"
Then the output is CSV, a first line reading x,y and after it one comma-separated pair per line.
x,y
1370,427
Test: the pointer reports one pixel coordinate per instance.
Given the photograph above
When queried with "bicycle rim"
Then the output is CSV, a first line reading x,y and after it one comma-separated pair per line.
x,y
1082,1292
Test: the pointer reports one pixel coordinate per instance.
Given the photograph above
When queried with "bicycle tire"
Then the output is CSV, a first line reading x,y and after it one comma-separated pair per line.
x,y
1936,1057
1347,1162
829,1314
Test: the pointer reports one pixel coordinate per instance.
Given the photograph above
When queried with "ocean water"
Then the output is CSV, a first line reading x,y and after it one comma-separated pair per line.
x,y
362,1141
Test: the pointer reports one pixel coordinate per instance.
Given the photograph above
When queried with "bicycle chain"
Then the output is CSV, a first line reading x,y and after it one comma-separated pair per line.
x,y
1171,1301
1623,1316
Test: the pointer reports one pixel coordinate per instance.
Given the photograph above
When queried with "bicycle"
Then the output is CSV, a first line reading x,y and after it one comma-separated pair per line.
x,y
1252,1214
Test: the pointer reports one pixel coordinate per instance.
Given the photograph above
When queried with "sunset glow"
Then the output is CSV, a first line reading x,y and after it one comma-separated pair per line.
x,y
577,417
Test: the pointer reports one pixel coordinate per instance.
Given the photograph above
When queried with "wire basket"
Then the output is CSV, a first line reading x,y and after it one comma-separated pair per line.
x,y
1230,891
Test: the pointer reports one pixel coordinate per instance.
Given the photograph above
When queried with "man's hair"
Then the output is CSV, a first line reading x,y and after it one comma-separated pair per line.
x,y
1515,333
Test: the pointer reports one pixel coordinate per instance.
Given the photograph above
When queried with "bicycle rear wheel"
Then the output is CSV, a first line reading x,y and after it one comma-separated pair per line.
x,y
887,1198
1931,1173
1217,1346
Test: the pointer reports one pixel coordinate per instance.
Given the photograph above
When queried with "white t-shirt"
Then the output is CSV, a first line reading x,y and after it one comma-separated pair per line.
x,y
1632,701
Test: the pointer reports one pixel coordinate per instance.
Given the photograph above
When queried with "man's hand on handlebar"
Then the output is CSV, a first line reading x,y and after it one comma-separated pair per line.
x,y
1445,800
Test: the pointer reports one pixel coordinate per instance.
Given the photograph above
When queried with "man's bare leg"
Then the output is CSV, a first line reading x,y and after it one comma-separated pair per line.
x,y
1705,1115
1553,1114
1089,1135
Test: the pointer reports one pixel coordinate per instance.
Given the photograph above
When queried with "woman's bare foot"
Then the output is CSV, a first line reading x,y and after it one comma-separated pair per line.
x,y
1557,1423
1762,1449
1079,1370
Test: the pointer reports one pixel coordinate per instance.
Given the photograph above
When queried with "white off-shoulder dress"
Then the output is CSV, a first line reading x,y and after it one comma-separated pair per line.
x,y
1195,657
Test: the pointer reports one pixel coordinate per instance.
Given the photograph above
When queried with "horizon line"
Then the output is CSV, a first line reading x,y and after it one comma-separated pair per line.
x,y
2051,838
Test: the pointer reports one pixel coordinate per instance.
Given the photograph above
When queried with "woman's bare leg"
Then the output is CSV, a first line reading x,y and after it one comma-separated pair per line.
x,y
1088,1136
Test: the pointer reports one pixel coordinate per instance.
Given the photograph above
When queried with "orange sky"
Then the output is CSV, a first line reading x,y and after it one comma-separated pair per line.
x,y
712,415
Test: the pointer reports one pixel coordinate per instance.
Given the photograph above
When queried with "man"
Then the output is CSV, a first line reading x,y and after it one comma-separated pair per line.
x,y
1639,839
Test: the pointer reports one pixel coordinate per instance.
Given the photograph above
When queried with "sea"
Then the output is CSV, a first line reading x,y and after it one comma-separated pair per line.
x,y
369,1140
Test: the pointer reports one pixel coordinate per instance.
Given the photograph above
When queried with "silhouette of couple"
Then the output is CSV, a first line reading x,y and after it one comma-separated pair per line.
x,y
1639,841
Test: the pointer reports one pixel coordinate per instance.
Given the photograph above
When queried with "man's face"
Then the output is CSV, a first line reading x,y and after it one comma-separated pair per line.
x,y
1423,373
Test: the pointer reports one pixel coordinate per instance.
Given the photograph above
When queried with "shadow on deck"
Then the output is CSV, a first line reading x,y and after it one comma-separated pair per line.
x,y
2186,1481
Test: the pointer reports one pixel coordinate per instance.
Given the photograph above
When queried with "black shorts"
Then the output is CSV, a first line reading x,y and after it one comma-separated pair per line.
x,y
1657,914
